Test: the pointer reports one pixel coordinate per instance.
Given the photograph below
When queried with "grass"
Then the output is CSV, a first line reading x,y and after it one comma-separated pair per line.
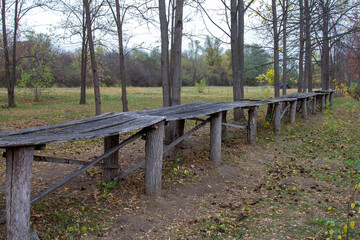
x,y
302,181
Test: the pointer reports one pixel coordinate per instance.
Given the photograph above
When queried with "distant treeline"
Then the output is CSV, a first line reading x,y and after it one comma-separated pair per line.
x,y
42,65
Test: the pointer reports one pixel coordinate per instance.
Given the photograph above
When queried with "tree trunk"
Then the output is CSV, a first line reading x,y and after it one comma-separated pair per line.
x,y
164,54
93,60
308,77
325,81
83,61
284,78
11,100
119,23
302,41
235,58
276,50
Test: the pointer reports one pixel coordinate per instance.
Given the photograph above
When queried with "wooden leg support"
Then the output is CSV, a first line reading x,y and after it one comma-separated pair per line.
x,y
277,118
18,185
215,138
223,127
292,111
111,164
314,105
304,108
154,159
323,100
331,99
251,133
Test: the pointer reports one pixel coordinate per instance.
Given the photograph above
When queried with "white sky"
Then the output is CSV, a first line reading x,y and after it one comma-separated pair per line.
x,y
148,36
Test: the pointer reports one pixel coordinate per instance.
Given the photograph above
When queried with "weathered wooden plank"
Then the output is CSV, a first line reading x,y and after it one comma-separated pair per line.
x,y
277,118
111,163
293,111
35,139
18,186
304,108
154,159
251,133
243,127
215,139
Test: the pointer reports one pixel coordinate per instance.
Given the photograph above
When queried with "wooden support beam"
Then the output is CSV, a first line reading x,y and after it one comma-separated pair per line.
x,y
243,127
166,149
314,105
304,108
223,127
277,118
111,163
285,111
18,185
251,133
323,101
62,160
153,159
215,139
332,98
292,111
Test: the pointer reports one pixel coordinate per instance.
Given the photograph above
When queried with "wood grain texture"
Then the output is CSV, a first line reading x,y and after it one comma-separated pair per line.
x,y
111,163
277,118
215,139
293,111
18,186
154,159
251,133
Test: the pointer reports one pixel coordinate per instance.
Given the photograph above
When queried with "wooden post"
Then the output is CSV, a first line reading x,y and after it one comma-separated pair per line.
x,y
251,131
269,111
223,127
331,98
314,105
292,111
215,138
304,108
323,100
277,118
111,163
154,159
18,185
327,98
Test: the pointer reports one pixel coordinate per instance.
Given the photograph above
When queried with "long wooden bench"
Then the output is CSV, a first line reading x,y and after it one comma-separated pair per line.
x,y
20,145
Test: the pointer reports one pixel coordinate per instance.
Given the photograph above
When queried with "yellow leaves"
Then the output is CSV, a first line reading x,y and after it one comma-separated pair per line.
x,y
345,229
331,232
352,224
352,205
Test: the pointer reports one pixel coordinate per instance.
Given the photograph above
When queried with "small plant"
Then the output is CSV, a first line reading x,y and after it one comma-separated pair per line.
x,y
200,86
107,187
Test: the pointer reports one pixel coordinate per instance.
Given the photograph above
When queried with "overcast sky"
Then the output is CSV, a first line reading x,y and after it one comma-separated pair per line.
x,y
146,35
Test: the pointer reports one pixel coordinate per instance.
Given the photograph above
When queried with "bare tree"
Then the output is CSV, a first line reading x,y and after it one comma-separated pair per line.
x,y
119,24
165,79
301,46
276,48
93,60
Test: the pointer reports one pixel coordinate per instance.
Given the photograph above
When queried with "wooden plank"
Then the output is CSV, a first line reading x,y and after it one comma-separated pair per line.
x,y
62,160
18,186
215,139
34,139
293,111
111,163
277,118
251,133
235,126
304,108
154,159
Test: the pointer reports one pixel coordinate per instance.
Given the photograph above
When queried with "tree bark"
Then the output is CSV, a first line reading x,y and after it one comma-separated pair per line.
x,y
308,49
284,77
276,50
301,54
11,100
119,23
165,80
325,80
84,55
93,60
